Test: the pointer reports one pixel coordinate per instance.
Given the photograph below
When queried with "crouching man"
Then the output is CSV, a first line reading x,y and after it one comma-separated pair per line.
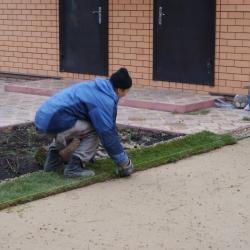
x,y
86,110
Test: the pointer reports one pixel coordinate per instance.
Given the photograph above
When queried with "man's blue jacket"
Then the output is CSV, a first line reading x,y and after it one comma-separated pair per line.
x,y
94,101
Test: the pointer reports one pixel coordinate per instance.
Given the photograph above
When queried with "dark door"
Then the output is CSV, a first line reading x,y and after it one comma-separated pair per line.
x,y
84,36
184,40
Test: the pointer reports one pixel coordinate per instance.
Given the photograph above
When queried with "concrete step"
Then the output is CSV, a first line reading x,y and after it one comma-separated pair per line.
x,y
154,99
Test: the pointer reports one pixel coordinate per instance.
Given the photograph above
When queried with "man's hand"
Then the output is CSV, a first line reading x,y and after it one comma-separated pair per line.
x,y
125,170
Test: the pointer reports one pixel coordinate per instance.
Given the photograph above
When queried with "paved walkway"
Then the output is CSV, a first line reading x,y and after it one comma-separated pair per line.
x,y
19,108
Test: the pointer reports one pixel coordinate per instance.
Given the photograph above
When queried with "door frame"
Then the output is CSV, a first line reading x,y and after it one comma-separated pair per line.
x,y
156,48
104,42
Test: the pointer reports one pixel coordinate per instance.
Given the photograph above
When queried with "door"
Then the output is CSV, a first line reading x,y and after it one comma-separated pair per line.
x,y
184,41
84,36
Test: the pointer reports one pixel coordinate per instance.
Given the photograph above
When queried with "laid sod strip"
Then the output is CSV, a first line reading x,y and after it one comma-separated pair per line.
x,y
38,185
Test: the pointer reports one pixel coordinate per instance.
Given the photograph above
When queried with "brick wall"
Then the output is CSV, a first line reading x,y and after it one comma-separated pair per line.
x,y
28,36
233,45
131,38
29,42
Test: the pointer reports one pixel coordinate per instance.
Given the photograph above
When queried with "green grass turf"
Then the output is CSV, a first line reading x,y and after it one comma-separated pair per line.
x,y
40,184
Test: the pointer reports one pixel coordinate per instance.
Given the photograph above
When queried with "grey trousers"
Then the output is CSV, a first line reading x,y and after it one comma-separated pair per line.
x,y
88,140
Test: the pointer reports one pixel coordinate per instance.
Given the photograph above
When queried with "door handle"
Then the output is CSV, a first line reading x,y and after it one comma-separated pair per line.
x,y
161,14
209,66
99,12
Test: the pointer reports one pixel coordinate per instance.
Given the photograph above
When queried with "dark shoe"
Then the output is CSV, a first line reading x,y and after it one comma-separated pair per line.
x,y
75,169
53,161
93,160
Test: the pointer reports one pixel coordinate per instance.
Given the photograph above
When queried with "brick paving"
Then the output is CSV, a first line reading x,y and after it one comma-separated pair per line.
x,y
217,120
167,96
161,99
18,108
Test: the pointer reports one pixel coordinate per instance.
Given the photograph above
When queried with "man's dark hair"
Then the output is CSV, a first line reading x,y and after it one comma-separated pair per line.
x,y
121,79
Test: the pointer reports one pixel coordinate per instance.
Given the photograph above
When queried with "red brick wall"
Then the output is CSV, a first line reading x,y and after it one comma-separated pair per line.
x,y
29,42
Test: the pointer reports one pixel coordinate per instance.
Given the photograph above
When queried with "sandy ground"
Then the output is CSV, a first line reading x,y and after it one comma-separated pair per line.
x,y
198,203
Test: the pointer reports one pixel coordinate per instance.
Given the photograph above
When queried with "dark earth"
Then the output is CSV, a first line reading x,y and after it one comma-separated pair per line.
x,y
19,144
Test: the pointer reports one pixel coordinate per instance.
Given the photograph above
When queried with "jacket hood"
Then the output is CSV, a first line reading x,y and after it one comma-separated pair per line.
x,y
105,86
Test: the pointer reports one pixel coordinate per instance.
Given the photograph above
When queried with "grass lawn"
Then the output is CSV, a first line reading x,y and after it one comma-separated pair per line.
x,y
246,118
195,112
39,184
